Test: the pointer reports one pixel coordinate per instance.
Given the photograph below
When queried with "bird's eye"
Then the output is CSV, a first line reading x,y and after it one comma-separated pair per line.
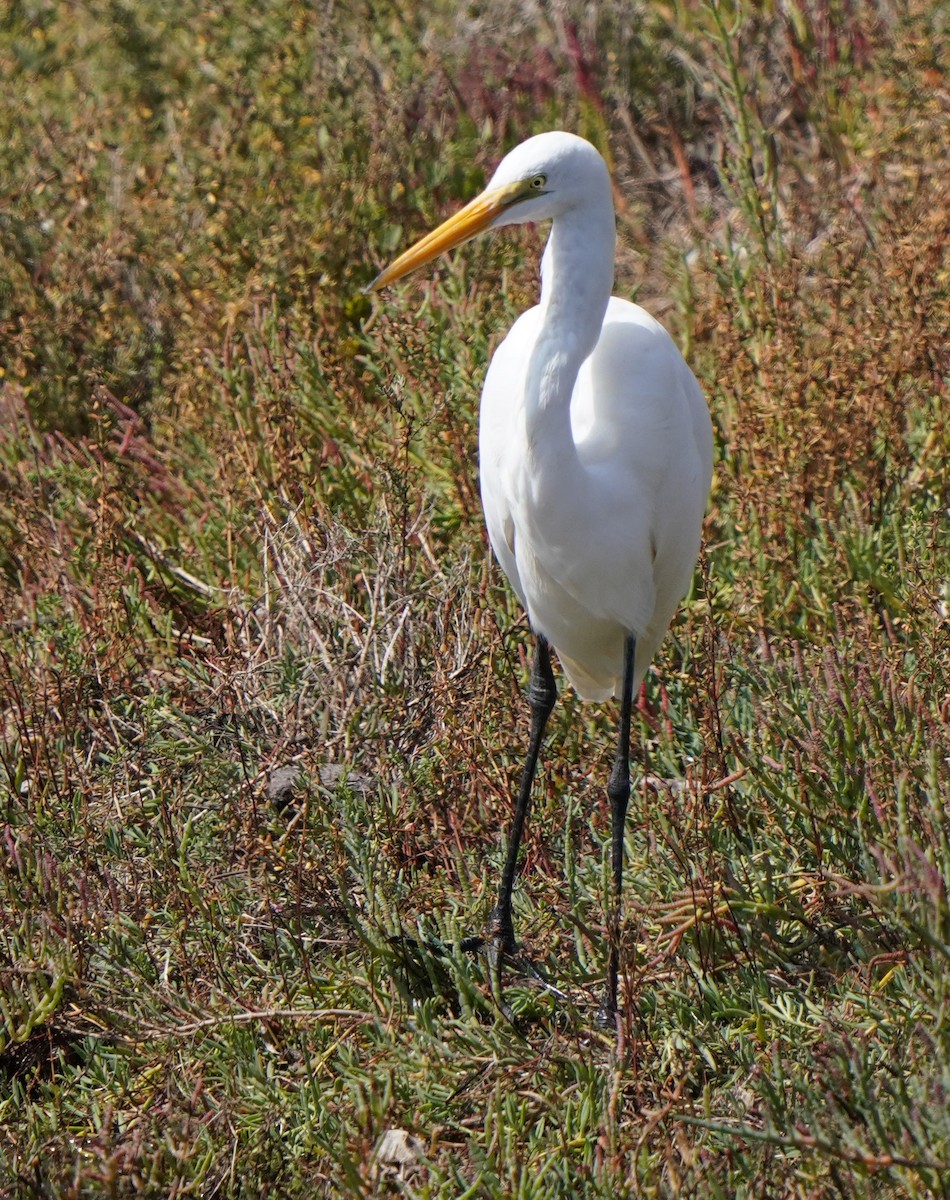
x,y
537,184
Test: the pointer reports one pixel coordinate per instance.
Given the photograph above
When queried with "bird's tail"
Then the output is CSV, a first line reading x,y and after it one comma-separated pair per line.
x,y
587,686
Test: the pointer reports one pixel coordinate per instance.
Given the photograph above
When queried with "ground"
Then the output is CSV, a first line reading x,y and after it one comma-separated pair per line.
x,y
262,687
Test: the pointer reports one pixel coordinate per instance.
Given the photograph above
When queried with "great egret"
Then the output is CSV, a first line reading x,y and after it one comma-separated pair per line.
x,y
596,461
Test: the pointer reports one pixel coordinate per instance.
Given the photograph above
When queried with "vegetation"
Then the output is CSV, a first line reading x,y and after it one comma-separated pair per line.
x,y
260,685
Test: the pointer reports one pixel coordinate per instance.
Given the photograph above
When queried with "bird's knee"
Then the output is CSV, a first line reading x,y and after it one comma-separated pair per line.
x,y
542,696
618,786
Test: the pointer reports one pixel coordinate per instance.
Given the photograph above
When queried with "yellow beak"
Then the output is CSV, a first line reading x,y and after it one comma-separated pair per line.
x,y
470,221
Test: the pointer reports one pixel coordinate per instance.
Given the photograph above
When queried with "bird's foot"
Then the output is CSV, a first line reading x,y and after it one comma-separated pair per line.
x,y
607,1016
610,1016
500,933
497,941
501,949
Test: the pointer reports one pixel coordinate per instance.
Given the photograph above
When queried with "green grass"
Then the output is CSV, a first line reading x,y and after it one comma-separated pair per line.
x,y
240,531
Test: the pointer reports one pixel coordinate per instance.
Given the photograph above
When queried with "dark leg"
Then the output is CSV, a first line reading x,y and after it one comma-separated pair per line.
x,y
542,693
618,790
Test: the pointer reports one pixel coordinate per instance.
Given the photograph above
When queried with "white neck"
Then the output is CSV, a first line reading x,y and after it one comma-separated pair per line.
x,y
577,273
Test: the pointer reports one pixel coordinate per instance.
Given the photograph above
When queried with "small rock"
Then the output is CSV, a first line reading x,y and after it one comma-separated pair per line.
x,y
397,1151
281,786
334,775
284,783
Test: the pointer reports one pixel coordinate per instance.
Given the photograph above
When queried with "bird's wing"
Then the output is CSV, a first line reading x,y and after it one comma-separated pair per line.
x,y
619,557
643,431
501,407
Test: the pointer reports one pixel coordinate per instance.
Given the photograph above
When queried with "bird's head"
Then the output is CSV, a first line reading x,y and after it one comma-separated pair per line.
x,y
548,174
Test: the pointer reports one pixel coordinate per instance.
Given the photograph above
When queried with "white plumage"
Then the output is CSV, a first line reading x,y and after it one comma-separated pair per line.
x,y
598,527
595,450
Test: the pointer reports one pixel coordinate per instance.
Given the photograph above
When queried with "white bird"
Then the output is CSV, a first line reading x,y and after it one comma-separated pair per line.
x,y
596,462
